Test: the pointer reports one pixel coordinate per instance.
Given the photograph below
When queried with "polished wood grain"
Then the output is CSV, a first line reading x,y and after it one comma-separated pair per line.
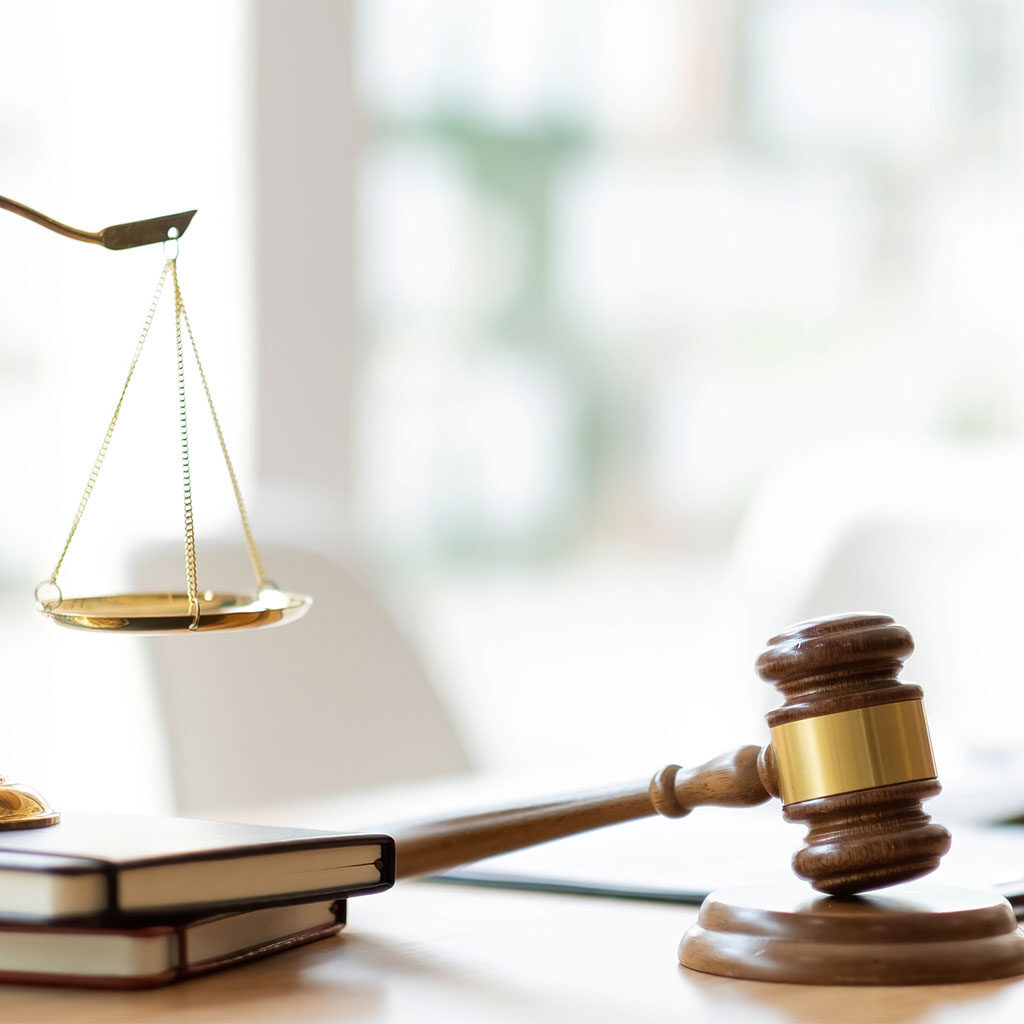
x,y
856,841
730,780
915,934
873,837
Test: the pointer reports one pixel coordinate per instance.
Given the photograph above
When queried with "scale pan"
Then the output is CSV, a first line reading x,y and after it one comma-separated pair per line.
x,y
169,613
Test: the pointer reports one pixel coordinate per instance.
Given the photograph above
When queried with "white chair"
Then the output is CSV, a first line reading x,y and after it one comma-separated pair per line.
x,y
335,701
928,533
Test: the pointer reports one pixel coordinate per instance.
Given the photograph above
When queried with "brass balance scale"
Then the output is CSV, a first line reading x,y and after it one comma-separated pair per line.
x,y
189,611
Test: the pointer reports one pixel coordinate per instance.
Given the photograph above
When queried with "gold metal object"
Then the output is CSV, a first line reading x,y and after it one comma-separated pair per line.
x,y
175,613
181,317
117,236
21,807
190,611
105,444
851,750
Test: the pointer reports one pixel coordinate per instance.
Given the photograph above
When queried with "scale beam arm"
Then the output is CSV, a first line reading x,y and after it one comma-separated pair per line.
x,y
117,236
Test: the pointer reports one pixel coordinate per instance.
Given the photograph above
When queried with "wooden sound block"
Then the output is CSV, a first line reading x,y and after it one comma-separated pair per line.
x,y
915,934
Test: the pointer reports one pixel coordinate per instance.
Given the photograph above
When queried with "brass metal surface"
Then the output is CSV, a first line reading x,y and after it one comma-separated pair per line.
x,y
173,613
196,610
21,807
852,750
117,236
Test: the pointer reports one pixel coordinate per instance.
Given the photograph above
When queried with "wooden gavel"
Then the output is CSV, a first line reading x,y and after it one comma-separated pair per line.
x,y
849,755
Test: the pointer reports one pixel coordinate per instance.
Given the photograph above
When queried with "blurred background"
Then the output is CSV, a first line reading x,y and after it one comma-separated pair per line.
x,y
591,342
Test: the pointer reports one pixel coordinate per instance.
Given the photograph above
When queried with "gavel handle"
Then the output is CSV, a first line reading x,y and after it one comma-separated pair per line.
x,y
730,780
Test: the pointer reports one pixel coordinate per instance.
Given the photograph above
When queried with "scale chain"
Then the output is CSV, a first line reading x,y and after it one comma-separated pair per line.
x,y
186,471
102,454
180,318
254,556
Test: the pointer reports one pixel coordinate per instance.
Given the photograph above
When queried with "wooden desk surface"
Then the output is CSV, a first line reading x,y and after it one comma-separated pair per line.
x,y
426,952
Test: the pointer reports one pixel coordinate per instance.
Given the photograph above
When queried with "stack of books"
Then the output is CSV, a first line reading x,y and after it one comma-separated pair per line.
x,y
104,900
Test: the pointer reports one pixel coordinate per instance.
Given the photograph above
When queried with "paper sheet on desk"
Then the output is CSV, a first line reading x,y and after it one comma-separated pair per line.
x,y
681,861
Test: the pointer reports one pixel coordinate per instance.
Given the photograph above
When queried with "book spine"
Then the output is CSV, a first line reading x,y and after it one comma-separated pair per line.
x,y
187,970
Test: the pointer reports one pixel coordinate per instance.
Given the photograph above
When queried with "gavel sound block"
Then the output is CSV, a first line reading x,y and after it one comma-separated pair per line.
x,y
851,758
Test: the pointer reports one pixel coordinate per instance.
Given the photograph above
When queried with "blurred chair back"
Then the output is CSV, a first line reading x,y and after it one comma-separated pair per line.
x,y
335,701
929,533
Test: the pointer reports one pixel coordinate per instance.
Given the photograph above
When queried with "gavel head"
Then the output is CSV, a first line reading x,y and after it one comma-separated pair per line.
x,y
850,754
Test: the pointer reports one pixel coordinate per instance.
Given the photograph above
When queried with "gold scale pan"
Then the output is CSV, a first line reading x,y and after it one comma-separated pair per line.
x,y
192,610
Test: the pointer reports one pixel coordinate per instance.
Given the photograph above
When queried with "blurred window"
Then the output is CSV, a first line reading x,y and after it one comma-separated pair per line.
x,y
617,258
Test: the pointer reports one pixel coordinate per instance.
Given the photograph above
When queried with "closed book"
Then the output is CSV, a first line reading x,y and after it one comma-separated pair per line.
x,y
119,956
113,867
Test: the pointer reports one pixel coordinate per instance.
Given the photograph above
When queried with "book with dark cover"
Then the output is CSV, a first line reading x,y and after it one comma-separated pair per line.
x,y
121,956
108,867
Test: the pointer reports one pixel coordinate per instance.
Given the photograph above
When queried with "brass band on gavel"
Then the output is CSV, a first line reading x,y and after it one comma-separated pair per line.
x,y
852,750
